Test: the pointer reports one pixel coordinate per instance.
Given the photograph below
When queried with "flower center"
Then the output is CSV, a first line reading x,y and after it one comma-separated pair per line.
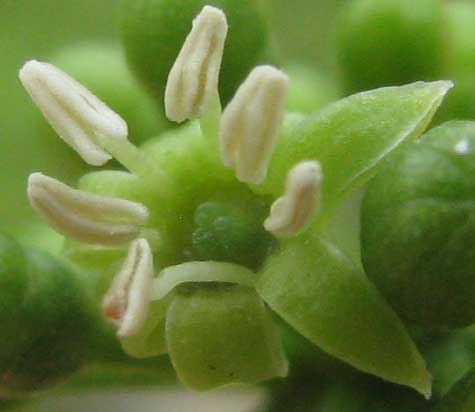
x,y
230,231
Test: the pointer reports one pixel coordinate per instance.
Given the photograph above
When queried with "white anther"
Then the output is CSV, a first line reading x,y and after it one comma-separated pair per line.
x,y
294,210
85,216
72,110
193,79
250,123
127,302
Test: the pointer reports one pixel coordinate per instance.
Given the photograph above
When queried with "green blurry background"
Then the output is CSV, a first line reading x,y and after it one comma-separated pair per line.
x,y
303,33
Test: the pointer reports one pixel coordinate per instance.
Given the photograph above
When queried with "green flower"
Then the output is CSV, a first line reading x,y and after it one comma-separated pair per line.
x,y
229,218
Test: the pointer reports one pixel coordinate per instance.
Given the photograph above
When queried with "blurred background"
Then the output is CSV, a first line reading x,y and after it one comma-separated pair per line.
x,y
305,38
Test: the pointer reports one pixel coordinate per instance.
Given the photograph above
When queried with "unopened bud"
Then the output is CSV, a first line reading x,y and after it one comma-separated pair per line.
x,y
250,123
73,111
193,79
84,216
127,302
294,210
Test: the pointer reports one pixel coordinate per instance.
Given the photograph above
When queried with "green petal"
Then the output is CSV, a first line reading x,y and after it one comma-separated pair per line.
x,y
461,398
222,334
150,341
317,289
172,276
351,136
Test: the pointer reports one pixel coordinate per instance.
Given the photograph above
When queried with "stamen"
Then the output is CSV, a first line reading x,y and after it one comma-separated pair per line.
x,y
250,123
127,302
193,79
85,216
294,210
74,112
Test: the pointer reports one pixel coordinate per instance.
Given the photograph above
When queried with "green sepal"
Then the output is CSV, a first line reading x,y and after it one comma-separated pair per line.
x,y
461,397
351,137
324,296
222,334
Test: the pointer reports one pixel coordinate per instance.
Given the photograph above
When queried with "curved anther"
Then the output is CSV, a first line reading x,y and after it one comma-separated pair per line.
x,y
127,302
250,123
294,210
84,216
193,79
75,113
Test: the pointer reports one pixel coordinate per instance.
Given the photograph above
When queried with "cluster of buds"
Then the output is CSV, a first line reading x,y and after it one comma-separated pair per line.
x,y
247,134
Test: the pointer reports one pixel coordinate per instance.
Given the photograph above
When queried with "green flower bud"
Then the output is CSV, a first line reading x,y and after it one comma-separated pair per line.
x,y
153,32
418,228
46,320
390,42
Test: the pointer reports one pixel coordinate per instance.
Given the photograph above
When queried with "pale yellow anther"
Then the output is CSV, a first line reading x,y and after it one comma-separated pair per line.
x,y
83,216
73,111
127,302
295,209
250,123
193,79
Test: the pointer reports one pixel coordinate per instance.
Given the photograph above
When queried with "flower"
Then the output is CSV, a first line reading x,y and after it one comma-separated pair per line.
x,y
179,201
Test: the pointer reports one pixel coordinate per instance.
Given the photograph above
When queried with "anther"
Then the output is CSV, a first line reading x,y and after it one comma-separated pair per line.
x,y
250,123
75,113
294,210
193,79
127,302
84,216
